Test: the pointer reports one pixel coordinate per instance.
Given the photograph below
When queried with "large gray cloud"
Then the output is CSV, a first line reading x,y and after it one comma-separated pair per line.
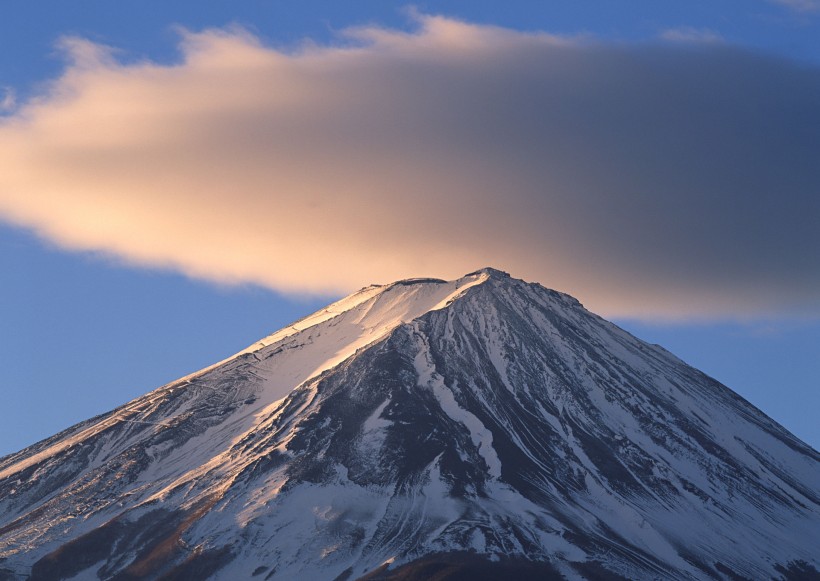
x,y
647,180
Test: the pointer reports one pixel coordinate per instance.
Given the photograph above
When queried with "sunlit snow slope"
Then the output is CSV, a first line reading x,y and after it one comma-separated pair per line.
x,y
482,418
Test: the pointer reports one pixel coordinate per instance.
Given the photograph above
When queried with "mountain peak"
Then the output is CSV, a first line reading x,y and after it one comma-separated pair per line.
x,y
476,277
477,421
491,272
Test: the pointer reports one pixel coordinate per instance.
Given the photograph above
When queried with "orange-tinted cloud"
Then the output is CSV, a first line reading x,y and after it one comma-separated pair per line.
x,y
650,180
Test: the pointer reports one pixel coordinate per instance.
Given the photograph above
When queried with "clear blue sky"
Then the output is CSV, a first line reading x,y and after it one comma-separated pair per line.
x,y
82,332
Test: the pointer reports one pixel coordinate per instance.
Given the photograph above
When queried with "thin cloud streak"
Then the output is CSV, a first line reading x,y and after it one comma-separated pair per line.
x,y
803,6
691,35
648,181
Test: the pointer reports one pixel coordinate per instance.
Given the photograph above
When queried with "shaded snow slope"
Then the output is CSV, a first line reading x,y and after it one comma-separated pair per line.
x,y
424,417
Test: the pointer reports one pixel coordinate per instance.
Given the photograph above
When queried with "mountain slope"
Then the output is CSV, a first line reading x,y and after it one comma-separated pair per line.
x,y
423,423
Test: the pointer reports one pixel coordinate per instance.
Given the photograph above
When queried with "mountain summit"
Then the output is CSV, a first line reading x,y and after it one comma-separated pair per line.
x,y
481,428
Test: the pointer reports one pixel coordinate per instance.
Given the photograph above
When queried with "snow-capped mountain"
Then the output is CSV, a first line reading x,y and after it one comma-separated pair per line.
x,y
483,427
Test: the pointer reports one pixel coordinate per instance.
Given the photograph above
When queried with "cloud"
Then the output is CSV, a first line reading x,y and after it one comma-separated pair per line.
x,y
8,100
689,34
647,180
803,6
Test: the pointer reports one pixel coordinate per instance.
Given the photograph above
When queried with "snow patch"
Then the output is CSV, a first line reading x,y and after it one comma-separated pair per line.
x,y
481,437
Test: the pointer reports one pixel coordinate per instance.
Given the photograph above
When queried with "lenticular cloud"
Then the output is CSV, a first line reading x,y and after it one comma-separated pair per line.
x,y
652,180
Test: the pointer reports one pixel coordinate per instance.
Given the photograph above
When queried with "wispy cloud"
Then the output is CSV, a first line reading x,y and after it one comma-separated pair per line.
x,y
8,100
689,34
803,6
647,180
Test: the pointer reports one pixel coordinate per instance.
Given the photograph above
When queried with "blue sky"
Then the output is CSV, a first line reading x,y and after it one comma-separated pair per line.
x,y
91,322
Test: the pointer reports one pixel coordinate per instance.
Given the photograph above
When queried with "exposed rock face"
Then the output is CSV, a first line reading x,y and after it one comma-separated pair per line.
x,y
477,428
